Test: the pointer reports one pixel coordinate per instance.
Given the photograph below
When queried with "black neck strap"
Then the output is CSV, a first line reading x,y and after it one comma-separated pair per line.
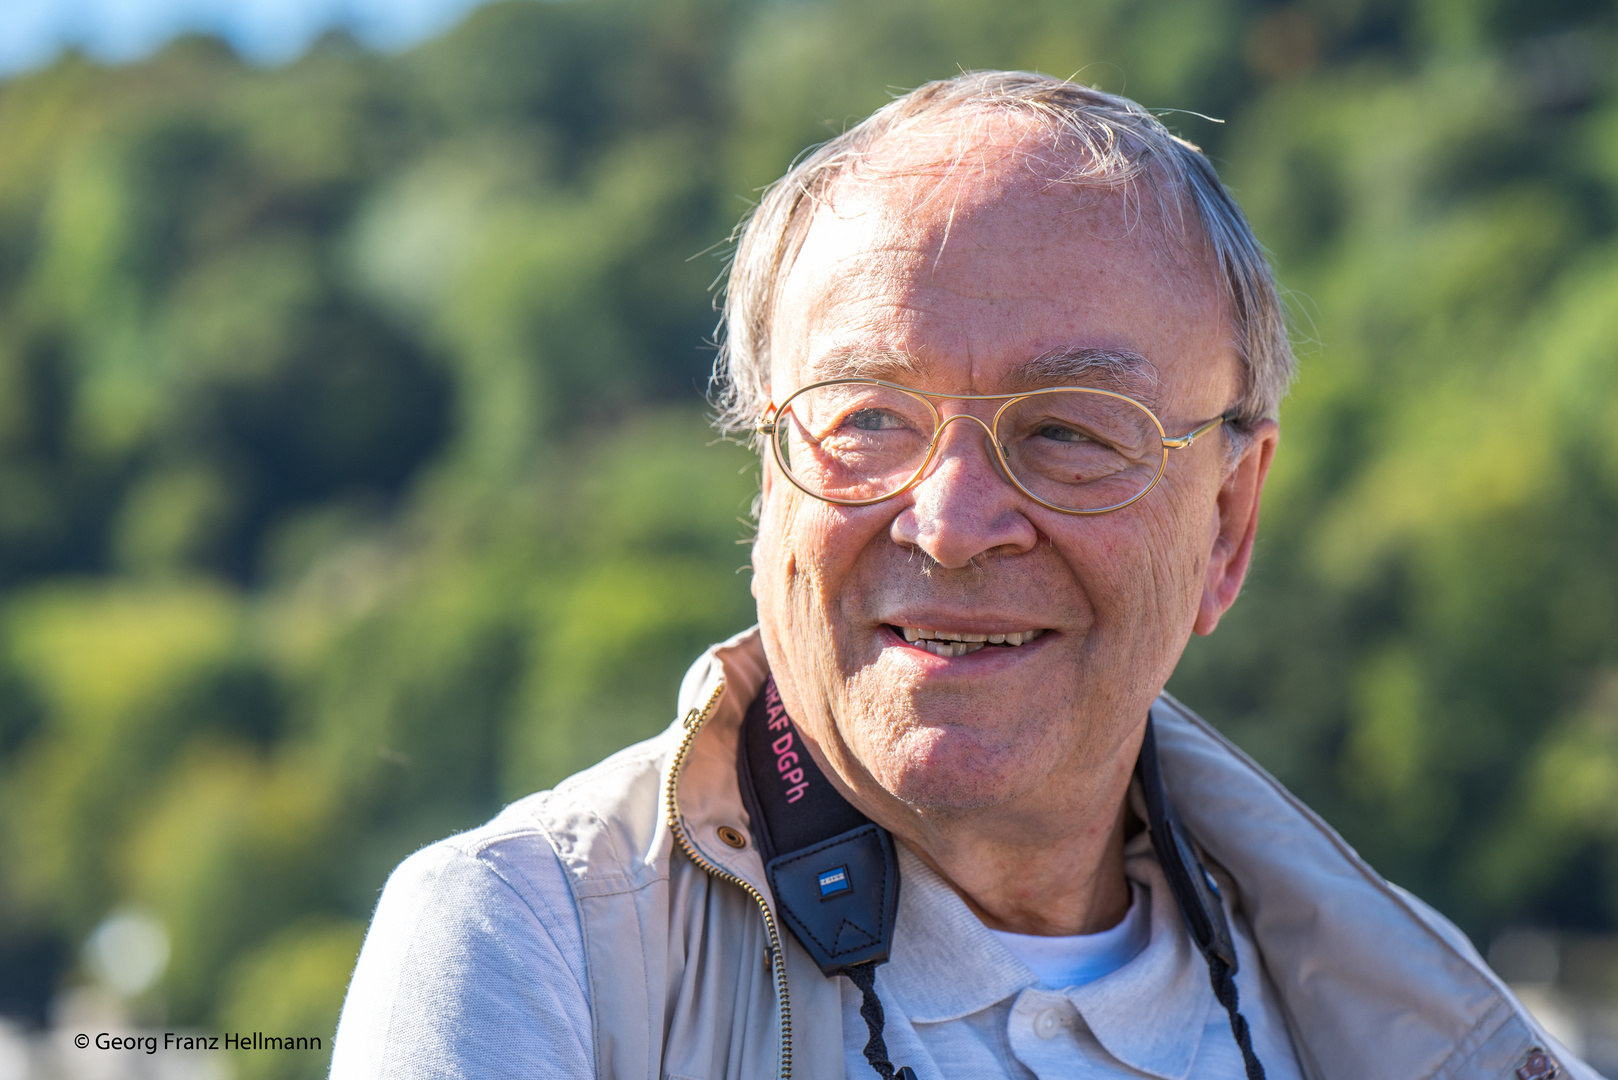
x,y
833,872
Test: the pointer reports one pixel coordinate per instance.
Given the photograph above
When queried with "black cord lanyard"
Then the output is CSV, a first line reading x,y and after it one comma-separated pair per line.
x,y
835,876
1195,894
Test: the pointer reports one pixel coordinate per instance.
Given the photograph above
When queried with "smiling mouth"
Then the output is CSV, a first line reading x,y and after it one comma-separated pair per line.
x,y
950,643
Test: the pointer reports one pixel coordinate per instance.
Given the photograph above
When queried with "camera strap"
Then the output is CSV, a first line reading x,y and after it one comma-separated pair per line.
x,y
832,871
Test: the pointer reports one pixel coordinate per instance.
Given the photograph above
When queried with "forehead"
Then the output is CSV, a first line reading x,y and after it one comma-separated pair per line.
x,y
962,261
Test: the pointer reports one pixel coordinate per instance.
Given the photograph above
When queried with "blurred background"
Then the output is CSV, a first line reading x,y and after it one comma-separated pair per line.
x,y
355,479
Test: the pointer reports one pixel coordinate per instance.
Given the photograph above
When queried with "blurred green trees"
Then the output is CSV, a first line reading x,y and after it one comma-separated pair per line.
x,y
354,477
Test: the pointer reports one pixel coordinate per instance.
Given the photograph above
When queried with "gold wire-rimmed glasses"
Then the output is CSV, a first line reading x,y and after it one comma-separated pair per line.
x,y
1073,449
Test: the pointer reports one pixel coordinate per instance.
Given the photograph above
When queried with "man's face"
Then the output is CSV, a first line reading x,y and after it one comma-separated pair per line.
x,y
953,281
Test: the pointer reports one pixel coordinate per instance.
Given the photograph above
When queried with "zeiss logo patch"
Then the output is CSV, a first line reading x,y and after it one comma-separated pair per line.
x,y
834,882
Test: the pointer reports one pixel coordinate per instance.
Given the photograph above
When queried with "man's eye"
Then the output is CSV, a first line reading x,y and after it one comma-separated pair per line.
x,y
874,420
1064,434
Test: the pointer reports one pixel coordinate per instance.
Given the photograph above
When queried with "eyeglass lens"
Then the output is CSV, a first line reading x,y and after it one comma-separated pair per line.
x,y
1078,450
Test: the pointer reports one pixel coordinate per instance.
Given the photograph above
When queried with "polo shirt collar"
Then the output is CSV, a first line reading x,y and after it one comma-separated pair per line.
x,y
1149,1014
944,964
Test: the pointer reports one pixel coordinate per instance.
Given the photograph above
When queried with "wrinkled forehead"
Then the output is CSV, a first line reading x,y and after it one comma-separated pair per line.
x,y
976,166
976,237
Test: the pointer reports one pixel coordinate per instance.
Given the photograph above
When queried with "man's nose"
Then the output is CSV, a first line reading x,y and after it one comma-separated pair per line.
x,y
964,506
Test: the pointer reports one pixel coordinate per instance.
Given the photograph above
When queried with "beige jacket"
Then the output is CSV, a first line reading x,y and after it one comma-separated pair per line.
x,y
681,938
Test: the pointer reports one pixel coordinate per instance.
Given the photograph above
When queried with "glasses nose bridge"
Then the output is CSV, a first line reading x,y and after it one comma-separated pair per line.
x,y
992,451
946,421
988,429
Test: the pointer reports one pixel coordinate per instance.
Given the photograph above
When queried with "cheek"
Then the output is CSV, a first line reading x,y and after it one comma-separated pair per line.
x,y
775,565
810,549
1182,535
1143,567
789,562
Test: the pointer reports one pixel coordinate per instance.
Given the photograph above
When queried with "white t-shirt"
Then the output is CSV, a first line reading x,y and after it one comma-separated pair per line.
x,y
1080,959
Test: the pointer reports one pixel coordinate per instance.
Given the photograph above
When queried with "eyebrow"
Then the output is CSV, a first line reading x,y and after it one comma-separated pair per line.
x,y
848,362
1118,370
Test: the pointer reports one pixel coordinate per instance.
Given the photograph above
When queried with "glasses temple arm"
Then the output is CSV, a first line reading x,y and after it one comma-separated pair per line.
x,y
1190,437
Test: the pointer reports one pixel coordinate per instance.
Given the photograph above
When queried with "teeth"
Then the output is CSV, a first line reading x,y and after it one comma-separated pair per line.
x,y
950,648
952,643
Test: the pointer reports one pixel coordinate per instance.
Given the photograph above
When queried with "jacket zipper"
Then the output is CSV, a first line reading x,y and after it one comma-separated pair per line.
x,y
694,720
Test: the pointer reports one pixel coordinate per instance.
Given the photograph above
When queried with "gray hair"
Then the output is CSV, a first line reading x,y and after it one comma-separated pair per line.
x,y
1116,142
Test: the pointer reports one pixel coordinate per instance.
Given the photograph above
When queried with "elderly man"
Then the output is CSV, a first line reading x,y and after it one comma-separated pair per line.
x,y
1014,359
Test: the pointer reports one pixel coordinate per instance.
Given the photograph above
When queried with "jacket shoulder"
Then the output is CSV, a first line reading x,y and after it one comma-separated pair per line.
x,y
474,936
605,824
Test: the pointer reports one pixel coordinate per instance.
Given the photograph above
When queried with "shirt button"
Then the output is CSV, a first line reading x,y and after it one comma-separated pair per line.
x,y
1047,1024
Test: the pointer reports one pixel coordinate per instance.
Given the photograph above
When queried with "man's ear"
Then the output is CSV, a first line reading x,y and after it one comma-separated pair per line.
x,y
1238,524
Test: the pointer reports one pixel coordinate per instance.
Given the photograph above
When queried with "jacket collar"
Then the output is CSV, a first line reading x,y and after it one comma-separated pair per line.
x,y
1375,983
708,796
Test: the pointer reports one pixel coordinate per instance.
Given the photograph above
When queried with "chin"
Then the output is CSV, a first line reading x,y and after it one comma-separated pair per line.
x,y
952,769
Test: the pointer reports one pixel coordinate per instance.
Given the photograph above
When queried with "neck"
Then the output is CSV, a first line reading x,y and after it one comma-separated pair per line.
x,y
1072,886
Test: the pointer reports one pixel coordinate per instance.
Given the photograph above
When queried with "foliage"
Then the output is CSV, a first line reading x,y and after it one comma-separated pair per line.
x,y
354,480
292,985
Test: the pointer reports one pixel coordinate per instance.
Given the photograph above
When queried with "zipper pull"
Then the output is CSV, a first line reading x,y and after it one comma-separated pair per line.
x,y
696,717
